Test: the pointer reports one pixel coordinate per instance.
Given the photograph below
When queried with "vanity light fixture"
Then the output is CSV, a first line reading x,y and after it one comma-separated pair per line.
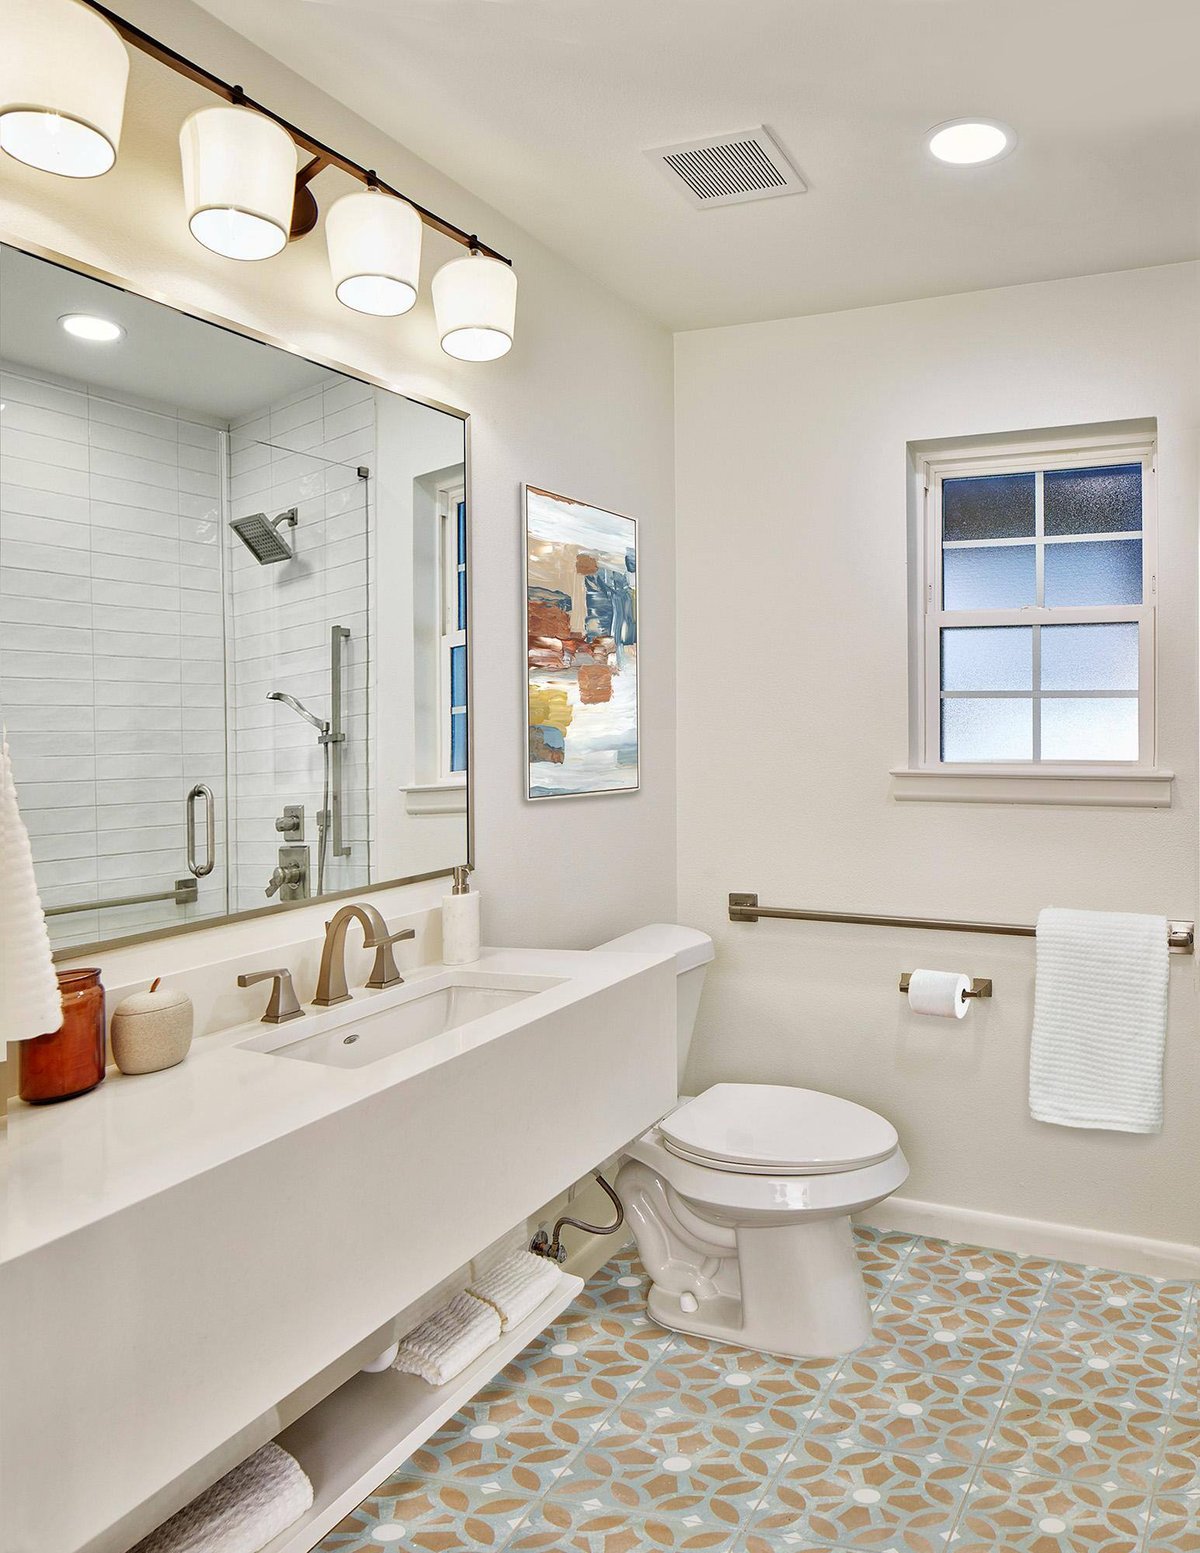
x,y
374,244
475,304
87,326
967,142
63,72
239,181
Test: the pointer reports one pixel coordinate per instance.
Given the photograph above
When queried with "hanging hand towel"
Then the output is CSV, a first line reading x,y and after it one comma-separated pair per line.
x,y
446,1342
29,998
242,1512
516,1286
1099,1020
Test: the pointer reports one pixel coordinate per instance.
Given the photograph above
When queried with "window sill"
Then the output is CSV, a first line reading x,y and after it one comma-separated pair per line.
x,y
449,797
1096,787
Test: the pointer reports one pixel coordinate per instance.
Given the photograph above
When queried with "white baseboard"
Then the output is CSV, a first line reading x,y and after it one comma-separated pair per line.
x,y
1037,1237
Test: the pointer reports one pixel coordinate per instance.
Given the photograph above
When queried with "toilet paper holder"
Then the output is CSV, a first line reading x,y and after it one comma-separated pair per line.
x,y
981,986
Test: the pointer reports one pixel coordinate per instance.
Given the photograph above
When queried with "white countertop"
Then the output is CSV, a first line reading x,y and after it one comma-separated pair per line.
x,y
66,1166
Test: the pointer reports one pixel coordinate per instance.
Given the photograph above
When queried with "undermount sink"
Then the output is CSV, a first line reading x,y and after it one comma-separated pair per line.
x,y
447,1003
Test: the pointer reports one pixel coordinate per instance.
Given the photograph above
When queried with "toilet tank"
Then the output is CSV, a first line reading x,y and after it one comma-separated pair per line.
x,y
692,951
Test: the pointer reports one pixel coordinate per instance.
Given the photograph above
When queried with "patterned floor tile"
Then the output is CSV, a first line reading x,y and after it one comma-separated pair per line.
x,y
1075,1437
521,1440
1027,1513
920,1332
1002,1403
698,1379
916,1412
715,1471
832,1495
409,1515
1175,1522
557,1527
1088,1363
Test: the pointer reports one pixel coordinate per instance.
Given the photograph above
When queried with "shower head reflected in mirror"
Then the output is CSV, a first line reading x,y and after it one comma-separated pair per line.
x,y
318,723
262,538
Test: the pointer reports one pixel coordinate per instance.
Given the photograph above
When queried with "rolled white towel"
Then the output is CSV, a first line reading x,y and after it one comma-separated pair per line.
x,y
446,1342
242,1512
516,1286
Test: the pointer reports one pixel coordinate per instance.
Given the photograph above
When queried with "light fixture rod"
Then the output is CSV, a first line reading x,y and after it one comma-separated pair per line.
x,y
322,155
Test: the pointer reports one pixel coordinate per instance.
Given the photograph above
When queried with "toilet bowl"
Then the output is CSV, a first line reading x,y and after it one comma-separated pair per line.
x,y
740,1198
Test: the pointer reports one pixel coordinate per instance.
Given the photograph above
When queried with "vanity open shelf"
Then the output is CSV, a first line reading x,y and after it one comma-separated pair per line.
x,y
361,1433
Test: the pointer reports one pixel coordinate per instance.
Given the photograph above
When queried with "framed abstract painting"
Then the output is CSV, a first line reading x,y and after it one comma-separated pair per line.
x,y
581,618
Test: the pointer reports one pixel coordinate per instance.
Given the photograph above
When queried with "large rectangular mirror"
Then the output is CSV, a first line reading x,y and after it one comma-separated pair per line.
x,y
233,615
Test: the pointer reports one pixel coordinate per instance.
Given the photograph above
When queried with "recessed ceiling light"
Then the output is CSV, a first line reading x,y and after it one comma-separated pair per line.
x,y
964,142
86,326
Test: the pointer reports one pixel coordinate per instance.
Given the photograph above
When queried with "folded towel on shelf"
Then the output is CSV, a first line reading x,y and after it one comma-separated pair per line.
x,y
446,1342
1099,1020
242,1512
516,1286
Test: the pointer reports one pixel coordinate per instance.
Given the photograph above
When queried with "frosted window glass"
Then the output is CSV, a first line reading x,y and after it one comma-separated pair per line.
x,y
1083,729
1094,501
992,728
989,507
989,577
1107,572
987,658
1090,657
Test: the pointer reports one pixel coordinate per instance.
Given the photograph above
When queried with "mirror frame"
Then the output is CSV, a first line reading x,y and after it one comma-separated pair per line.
x,y
104,945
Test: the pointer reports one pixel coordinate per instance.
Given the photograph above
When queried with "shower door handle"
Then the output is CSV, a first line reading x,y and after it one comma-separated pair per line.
x,y
201,790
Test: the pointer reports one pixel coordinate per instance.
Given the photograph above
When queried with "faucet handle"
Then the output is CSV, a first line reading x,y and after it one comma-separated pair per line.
x,y
384,972
283,1004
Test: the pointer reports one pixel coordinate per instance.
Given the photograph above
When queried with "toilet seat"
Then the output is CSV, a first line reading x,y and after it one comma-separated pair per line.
x,y
776,1130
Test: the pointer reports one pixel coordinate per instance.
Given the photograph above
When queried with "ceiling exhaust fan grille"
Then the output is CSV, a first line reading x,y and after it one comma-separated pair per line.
x,y
729,169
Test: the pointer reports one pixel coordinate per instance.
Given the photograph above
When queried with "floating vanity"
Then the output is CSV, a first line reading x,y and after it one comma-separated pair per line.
x,y
197,1259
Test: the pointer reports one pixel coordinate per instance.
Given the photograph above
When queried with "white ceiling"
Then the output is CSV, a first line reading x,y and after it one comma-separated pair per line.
x,y
164,358
544,107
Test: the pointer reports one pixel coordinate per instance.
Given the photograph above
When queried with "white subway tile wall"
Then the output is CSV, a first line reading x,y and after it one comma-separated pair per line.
x,y
111,651
302,452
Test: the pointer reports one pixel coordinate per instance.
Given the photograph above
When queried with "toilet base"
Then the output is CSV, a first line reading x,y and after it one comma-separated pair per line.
x,y
802,1295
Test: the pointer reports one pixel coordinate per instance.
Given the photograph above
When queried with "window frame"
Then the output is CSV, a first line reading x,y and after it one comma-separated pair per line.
x,y
450,636
1022,457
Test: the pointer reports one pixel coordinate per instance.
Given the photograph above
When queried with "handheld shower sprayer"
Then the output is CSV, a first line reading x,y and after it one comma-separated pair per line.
x,y
318,723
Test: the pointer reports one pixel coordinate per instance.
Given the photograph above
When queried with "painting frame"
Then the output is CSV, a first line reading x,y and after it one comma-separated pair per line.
x,y
570,506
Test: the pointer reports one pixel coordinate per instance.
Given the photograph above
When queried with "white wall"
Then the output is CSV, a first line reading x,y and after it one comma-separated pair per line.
x,y
110,643
793,705
582,405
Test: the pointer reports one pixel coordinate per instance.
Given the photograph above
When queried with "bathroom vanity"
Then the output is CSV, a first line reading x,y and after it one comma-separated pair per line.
x,y
195,1258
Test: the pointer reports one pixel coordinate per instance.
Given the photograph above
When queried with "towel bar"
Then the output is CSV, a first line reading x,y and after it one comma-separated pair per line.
x,y
1181,936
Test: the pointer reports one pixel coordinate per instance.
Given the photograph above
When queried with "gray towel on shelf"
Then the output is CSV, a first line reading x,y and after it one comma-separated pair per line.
x,y
242,1512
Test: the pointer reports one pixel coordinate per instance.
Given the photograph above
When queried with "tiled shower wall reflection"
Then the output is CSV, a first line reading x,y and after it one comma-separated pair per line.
x,y
111,653
304,452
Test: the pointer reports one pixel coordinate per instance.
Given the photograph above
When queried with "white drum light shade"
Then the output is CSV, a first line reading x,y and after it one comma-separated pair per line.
x,y
239,181
374,244
475,303
63,72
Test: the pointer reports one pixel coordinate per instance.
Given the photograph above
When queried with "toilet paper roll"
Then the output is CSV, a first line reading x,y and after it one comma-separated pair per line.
x,y
939,992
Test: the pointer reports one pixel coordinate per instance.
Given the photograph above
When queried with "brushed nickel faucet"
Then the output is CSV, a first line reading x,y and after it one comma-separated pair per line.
x,y
331,979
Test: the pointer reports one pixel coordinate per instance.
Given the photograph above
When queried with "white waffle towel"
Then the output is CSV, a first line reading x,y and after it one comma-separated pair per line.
x,y
241,1512
516,1286
446,1342
1099,1020
29,998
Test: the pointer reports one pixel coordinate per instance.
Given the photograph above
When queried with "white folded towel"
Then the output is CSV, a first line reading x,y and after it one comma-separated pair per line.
x,y
516,1286
29,998
1099,1020
241,1512
446,1342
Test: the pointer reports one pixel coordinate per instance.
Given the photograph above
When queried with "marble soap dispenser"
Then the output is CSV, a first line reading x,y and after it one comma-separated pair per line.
x,y
460,921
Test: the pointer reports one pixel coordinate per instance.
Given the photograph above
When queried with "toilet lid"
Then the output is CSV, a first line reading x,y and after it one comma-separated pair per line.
x,y
774,1129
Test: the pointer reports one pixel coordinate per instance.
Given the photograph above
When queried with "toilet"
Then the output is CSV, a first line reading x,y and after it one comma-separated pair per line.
x,y
740,1198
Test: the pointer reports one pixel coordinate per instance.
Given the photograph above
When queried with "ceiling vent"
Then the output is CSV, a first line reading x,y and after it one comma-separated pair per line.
x,y
729,169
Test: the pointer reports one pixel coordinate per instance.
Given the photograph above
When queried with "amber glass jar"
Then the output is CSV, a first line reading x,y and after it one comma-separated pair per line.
x,y
70,1060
